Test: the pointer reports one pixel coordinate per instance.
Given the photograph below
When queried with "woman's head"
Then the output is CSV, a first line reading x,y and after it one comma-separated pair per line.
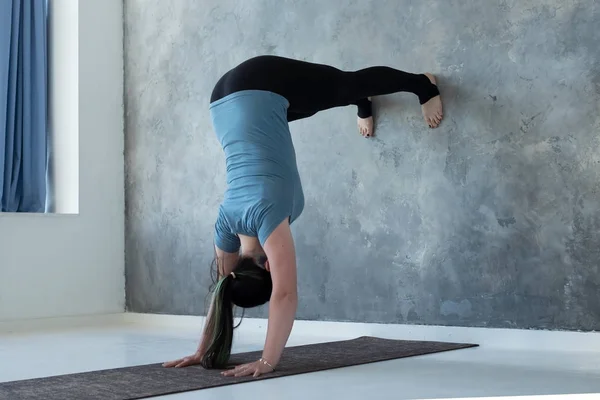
x,y
249,285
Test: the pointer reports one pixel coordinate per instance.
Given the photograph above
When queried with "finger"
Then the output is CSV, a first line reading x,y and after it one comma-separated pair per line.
x,y
183,363
245,372
230,372
169,364
256,374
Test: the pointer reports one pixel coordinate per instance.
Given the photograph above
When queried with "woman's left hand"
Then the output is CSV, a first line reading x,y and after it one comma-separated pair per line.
x,y
255,369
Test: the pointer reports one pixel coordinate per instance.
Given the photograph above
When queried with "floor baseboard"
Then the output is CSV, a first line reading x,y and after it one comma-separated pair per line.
x,y
512,339
490,337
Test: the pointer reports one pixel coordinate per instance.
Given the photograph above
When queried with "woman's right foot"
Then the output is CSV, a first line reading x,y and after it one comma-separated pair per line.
x,y
432,110
365,126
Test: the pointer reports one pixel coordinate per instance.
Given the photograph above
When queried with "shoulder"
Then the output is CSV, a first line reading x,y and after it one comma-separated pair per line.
x,y
268,216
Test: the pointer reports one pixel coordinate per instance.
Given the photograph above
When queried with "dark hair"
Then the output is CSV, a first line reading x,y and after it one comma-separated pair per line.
x,y
249,286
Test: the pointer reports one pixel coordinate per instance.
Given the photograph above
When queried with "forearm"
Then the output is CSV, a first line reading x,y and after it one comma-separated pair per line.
x,y
282,311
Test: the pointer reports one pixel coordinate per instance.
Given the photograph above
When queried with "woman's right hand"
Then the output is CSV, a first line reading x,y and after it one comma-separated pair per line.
x,y
194,359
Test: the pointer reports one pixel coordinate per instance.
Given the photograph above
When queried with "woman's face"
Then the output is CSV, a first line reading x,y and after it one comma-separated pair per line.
x,y
261,259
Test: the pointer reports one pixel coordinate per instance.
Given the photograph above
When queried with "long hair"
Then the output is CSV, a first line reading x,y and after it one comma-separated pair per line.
x,y
248,286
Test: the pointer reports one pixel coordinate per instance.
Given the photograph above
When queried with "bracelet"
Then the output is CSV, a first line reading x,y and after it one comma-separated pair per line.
x,y
262,360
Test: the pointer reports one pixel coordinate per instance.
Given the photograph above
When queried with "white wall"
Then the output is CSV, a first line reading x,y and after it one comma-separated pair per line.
x,y
69,264
63,172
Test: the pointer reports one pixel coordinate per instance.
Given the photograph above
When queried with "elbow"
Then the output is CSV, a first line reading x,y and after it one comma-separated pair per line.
x,y
288,297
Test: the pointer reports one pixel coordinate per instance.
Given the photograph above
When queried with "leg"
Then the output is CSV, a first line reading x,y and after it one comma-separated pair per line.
x,y
365,116
294,116
365,107
376,81
311,88
228,84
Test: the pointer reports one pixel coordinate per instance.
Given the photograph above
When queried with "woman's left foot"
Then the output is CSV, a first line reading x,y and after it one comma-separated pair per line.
x,y
365,126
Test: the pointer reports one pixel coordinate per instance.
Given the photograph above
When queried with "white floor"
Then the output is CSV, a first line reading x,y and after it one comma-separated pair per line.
x,y
44,349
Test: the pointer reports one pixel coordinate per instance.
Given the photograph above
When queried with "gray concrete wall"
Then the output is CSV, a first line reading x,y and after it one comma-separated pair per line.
x,y
491,220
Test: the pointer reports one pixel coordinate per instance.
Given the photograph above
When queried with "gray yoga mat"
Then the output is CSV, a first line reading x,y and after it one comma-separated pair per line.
x,y
151,380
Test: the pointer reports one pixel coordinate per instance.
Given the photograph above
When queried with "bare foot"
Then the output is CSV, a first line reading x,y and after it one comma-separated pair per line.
x,y
365,126
432,110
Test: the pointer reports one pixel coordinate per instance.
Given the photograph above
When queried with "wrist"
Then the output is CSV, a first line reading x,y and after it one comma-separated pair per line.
x,y
271,357
266,362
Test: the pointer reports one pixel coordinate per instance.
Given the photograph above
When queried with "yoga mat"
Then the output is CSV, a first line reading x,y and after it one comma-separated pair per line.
x,y
151,380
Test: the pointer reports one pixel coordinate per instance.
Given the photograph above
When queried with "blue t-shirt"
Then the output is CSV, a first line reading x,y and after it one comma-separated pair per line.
x,y
263,184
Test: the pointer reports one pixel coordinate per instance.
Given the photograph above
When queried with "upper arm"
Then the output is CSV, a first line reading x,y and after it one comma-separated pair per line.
x,y
226,262
280,251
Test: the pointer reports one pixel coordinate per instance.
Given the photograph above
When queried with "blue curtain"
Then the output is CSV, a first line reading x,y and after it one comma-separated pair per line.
x,y
23,105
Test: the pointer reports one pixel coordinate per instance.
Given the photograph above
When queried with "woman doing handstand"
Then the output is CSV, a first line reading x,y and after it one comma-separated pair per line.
x,y
251,106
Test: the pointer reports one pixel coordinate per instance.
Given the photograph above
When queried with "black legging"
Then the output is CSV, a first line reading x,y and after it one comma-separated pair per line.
x,y
311,88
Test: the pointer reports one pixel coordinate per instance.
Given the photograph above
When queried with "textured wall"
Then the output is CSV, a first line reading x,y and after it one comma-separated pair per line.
x,y
491,220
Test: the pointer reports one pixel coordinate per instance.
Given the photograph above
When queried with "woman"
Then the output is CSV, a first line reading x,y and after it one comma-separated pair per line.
x,y
251,107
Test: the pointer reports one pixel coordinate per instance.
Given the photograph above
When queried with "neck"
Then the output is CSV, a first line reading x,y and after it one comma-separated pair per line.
x,y
257,254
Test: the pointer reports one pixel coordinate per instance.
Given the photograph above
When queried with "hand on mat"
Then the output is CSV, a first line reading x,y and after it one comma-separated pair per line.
x,y
255,369
194,359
